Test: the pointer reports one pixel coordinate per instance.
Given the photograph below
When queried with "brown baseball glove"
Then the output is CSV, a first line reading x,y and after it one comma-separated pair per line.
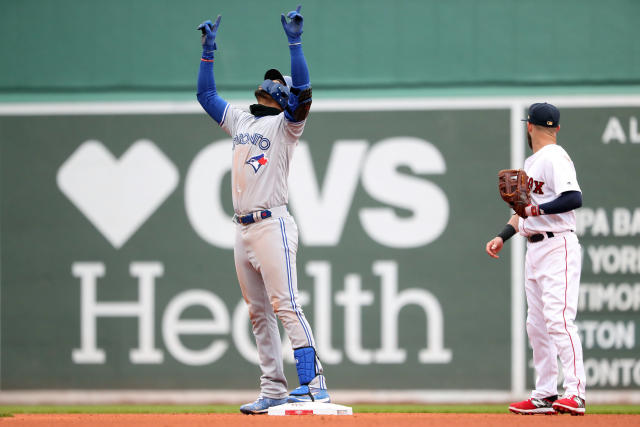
x,y
514,190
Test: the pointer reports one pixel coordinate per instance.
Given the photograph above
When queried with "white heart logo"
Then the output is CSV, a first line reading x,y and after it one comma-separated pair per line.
x,y
117,195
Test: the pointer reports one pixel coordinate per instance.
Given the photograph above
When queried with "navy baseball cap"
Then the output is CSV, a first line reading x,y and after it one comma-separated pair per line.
x,y
274,74
543,114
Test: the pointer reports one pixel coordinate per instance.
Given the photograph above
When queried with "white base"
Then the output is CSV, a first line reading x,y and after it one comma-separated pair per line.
x,y
310,408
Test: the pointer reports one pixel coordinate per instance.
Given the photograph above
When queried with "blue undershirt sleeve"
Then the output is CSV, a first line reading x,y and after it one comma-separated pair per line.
x,y
212,103
299,69
299,101
567,201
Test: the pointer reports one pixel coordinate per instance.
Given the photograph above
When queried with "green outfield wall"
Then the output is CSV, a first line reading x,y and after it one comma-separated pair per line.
x,y
152,45
116,261
116,267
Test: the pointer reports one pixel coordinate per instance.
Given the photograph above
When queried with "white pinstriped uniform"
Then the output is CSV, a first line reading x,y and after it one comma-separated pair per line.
x,y
552,276
265,251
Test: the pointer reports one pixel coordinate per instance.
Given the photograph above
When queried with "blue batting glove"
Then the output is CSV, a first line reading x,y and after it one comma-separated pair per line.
x,y
209,32
293,28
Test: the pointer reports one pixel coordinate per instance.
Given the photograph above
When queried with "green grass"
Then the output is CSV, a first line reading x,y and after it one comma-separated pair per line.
x,y
232,409
118,409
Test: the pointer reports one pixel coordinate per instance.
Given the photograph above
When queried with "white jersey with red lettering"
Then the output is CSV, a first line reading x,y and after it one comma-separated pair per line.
x,y
552,276
551,172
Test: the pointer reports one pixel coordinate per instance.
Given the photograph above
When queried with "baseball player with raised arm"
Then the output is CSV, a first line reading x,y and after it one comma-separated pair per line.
x,y
266,234
552,267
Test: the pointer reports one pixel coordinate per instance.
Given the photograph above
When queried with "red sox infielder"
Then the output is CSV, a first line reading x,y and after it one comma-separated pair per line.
x,y
266,235
552,269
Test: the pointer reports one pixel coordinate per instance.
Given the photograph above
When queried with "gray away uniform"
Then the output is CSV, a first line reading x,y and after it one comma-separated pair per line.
x,y
265,251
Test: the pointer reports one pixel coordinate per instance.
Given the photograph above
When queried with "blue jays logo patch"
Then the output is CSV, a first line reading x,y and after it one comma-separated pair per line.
x,y
257,161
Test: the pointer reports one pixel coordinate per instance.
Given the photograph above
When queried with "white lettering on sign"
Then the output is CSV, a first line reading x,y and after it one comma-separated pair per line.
x,y
392,302
352,297
619,222
91,309
202,195
612,297
173,327
612,259
626,222
612,373
322,210
614,131
592,221
123,193
607,334
426,201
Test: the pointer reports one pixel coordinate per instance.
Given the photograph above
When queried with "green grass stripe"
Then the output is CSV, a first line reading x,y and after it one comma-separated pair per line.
x,y
232,409
119,409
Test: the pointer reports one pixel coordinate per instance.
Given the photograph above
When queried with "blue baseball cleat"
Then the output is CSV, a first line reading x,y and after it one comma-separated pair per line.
x,y
261,405
315,391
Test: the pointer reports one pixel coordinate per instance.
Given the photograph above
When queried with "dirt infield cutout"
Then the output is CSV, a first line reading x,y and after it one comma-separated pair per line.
x,y
395,420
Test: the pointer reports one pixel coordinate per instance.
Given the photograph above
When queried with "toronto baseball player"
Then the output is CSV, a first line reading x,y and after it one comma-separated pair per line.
x,y
266,234
552,268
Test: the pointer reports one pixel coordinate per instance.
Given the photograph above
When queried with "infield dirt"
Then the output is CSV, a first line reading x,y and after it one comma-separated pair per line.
x,y
395,420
